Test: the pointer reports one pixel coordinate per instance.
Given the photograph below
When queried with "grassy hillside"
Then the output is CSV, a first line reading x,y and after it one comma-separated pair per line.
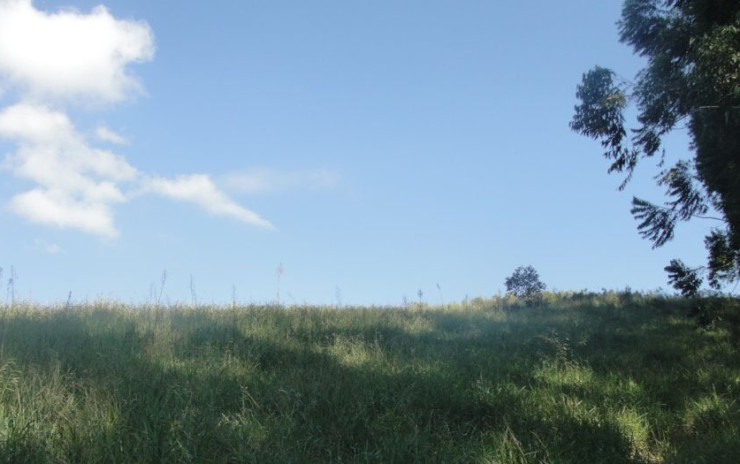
x,y
590,378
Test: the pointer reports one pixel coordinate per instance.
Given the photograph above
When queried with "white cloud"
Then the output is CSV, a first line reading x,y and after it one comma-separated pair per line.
x,y
199,189
55,60
68,55
262,180
58,208
105,134
51,150
76,183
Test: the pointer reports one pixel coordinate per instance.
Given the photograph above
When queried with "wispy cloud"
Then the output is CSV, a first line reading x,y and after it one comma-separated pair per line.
x,y
264,180
53,61
199,189
105,134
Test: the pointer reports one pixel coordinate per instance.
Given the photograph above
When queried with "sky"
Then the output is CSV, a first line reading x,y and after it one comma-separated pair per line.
x,y
323,152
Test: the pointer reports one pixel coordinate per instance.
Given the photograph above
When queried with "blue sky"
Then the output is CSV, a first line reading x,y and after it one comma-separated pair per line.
x,y
375,149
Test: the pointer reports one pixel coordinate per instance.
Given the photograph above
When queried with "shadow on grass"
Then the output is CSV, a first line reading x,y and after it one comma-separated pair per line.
x,y
190,387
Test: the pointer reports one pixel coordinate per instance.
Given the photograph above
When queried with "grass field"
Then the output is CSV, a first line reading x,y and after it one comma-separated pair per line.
x,y
605,378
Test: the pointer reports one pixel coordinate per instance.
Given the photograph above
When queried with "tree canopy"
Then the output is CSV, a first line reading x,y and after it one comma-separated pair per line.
x,y
525,284
692,81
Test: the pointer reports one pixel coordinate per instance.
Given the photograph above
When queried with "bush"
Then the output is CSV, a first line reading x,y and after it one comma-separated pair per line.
x,y
525,284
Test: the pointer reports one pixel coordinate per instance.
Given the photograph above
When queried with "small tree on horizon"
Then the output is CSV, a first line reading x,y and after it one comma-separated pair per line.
x,y
525,284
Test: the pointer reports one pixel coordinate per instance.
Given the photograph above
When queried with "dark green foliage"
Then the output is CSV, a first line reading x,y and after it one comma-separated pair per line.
x,y
683,279
688,282
724,259
600,117
687,201
692,79
656,224
525,284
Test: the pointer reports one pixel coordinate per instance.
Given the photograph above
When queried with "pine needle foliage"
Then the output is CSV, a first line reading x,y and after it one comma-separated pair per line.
x,y
692,80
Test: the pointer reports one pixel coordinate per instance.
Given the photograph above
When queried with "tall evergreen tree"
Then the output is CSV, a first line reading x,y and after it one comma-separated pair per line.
x,y
692,80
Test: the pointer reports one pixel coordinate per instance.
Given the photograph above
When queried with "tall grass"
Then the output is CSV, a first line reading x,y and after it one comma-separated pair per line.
x,y
620,378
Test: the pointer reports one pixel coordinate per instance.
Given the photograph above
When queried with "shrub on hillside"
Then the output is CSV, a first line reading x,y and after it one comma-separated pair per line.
x,y
525,284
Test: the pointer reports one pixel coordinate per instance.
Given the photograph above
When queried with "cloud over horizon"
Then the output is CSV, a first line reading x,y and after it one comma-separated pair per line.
x,y
50,62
